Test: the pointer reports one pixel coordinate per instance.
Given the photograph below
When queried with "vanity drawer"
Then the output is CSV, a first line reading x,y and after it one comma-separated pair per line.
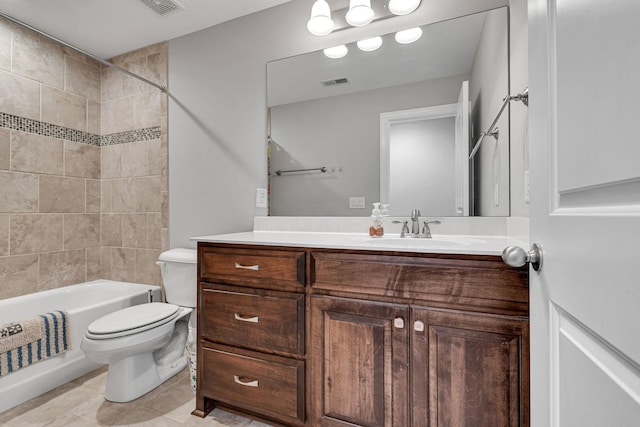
x,y
475,282
268,321
268,385
253,267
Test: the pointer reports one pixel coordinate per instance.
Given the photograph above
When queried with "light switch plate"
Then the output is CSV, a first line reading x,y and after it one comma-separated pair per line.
x,y
356,202
261,197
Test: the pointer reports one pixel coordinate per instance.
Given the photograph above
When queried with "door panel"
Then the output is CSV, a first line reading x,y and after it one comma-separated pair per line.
x,y
359,376
585,211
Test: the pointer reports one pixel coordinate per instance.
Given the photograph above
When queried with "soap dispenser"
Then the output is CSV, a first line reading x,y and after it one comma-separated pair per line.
x,y
376,229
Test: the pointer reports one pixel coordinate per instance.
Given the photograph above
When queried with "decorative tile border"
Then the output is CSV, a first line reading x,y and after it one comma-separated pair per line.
x,y
24,124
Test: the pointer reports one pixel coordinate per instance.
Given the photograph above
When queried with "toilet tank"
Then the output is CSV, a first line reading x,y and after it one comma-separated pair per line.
x,y
179,276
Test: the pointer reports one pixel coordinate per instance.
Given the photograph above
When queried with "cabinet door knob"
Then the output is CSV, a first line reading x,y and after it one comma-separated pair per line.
x,y
246,319
418,326
248,267
237,380
398,322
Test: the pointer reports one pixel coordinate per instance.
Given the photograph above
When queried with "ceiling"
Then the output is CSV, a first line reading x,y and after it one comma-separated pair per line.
x,y
107,28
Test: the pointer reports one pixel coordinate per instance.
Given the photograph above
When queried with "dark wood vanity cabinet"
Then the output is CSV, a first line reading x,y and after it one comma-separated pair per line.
x,y
363,338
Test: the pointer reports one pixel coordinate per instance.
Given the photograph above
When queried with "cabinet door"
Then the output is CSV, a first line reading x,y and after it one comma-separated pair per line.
x,y
469,369
360,367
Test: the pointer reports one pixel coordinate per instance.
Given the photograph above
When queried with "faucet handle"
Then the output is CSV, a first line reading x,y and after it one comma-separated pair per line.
x,y
405,227
426,231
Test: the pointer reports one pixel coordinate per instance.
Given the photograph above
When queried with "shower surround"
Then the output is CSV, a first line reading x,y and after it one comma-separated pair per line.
x,y
83,165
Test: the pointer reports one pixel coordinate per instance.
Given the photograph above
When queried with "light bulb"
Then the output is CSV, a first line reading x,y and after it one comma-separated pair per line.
x,y
408,36
360,13
368,45
320,23
336,51
403,7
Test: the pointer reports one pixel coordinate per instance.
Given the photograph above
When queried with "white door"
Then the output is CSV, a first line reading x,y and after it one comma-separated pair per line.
x,y
462,151
584,94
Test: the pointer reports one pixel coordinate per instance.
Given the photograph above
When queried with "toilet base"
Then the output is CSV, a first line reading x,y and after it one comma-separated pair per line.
x,y
137,375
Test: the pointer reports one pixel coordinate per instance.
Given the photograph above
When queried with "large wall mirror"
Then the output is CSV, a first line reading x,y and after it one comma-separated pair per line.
x,y
394,125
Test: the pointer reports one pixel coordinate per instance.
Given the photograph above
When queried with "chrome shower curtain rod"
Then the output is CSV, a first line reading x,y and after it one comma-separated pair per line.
x,y
163,88
523,96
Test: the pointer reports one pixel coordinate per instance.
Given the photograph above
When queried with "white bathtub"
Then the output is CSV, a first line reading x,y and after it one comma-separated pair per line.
x,y
84,302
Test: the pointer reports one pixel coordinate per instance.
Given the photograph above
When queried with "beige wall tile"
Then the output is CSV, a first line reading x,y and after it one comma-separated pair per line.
x,y
164,209
82,79
93,117
33,233
81,231
36,153
122,195
164,244
105,118
5,148
37,58
134,230
5,47
105,196
134,159
146,269
82,160
18,192
121,114
92,195
154,160
130,85
93,260
64,109
111,86
59,269
146,110
18,275
147,194
157,66
111,230
62,194
4,235
164,172
105,262
123,264
164,135
111,158
154,226
19,96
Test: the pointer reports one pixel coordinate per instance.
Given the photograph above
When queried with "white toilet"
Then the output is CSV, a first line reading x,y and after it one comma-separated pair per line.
x,y
144,345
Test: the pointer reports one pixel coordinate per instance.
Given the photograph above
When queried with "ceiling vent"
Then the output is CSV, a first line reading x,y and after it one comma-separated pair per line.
x,y
163,7
333,82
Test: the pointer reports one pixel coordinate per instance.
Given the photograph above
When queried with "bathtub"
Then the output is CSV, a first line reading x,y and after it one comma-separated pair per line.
x,y
84,302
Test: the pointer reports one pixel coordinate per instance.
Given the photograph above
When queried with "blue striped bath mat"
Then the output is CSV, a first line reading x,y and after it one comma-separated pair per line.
x,y
26,342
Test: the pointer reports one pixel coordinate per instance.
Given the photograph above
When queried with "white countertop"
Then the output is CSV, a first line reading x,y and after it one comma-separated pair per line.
x,y
446,244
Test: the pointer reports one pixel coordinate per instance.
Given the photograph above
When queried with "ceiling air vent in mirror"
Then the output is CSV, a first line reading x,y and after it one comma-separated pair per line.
x,y
333,82
163,7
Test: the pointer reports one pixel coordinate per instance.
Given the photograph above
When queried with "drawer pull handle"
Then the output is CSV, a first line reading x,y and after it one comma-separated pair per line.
x,y
418,326
246,319
248,267
253,383
398,322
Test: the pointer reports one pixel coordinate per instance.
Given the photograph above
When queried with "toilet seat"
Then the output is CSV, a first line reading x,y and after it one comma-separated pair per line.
x,y
132,320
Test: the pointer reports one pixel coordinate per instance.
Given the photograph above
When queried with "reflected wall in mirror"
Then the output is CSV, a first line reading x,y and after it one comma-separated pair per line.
x,y
353,116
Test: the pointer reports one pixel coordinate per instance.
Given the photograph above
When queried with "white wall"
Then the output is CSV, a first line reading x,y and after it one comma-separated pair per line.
x,y
347,141
486,91
422,172
217,108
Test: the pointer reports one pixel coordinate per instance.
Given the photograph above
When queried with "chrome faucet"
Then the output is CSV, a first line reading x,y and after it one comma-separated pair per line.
x,y
415,219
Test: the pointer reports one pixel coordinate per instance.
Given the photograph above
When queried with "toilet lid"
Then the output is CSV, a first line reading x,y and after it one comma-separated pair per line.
x,y
132,319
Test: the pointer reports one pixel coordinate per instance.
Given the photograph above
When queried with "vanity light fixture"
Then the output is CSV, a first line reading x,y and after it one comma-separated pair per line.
x,y
371,44
408,36
320,23
336,51
403,7
360,13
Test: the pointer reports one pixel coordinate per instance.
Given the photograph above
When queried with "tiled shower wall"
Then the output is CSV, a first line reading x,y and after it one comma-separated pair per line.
x,y
83,185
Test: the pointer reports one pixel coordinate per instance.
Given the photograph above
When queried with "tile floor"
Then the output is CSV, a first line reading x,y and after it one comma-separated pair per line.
x,y
80,404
